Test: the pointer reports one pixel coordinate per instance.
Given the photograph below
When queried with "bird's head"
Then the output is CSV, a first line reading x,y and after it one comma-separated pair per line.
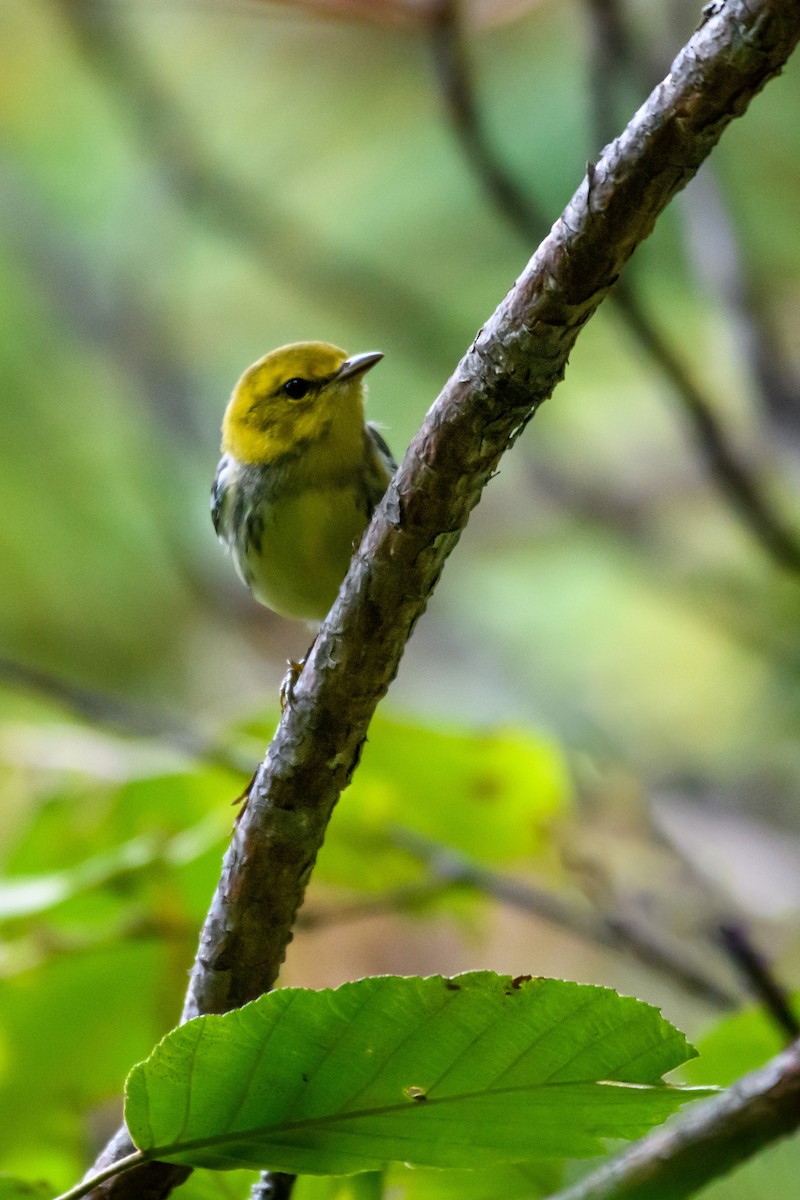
x,y
295,396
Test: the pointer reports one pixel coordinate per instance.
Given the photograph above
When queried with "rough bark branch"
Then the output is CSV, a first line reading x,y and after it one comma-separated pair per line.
x,y
706,1141
513,365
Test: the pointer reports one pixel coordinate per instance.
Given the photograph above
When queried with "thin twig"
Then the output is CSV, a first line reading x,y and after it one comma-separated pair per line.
x,y
647,945
612,58
114,712
742,492
412,896
760,978
715,258
454,76
513,365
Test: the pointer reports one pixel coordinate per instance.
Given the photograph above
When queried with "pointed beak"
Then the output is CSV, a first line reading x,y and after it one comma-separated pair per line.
x,y
357,364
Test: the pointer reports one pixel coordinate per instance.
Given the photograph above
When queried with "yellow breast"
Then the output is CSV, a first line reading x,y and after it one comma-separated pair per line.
x,y
300,547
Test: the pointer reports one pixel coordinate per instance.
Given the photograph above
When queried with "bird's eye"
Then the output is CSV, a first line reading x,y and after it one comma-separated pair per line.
x,y
295,389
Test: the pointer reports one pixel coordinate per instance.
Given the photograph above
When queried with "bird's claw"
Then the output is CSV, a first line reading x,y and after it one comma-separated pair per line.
x,y
243,798
289,682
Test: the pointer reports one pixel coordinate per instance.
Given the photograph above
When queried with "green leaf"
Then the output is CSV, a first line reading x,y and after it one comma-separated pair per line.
x,y
437,1072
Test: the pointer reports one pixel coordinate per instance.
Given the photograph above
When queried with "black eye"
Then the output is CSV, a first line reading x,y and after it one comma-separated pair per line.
x,y
295,389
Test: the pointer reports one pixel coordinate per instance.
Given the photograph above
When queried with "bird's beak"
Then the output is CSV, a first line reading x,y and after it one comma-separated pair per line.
x,y
358,363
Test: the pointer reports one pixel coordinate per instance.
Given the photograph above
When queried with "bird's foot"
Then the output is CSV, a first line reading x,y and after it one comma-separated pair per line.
x,y
289,682
243,798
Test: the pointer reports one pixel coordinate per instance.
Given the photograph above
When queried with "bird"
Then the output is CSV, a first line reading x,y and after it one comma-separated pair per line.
x,y
300,476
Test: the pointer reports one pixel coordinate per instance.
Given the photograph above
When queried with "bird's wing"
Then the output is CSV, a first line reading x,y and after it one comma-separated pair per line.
x,y
384,453
219,489
380,468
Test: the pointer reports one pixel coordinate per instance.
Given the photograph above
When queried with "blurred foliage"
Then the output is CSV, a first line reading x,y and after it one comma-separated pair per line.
x,y
113,852
184,186
18,1189
494,795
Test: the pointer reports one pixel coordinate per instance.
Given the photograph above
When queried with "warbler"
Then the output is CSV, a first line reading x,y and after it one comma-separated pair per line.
x,y
300,475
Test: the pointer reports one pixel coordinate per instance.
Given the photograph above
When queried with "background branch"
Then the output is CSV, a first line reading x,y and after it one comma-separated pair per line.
x,y
742,492
514,364
124,716
446,868
759,977
612,59
712,248
648,945
719,266
713,256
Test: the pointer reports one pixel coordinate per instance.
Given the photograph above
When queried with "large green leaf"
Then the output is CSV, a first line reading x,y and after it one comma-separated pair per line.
x,y
440,1072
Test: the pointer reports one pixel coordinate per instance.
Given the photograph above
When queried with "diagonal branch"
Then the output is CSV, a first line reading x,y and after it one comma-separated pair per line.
x,y
513,365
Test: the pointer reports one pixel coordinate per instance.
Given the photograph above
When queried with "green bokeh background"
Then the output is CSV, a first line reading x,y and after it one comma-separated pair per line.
x,y
184,186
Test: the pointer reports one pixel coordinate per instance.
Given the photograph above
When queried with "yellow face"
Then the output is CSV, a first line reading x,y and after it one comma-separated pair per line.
x,y
292,397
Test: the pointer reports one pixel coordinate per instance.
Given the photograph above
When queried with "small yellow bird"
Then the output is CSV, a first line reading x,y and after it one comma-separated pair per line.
x,y
300,475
